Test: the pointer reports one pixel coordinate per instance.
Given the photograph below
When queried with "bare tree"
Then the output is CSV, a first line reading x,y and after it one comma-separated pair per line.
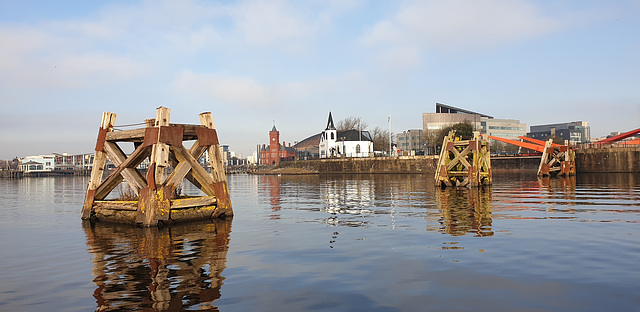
x,y
430,138
380,139
351,122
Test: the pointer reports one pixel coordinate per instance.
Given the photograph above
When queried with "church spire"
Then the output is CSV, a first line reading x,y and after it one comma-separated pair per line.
x,y
330,125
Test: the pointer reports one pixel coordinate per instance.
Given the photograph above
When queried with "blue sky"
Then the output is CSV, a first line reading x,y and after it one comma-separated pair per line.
x,y
63,63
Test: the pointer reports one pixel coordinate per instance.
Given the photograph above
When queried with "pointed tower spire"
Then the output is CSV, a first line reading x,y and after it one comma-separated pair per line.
x,y
330,125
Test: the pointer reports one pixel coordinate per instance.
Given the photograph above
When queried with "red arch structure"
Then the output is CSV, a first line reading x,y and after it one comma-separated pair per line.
x,y
619,137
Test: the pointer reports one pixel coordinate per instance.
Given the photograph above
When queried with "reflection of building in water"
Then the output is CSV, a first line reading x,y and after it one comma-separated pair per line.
x,y
273,184
158,269
347,196
463,211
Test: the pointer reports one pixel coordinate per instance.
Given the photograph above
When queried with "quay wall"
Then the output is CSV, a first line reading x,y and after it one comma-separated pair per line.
x,y
606,160
612,159
401,164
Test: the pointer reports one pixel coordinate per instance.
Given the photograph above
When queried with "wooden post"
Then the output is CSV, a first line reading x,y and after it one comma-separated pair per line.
x,y
99,161
160,152
154,203
217,169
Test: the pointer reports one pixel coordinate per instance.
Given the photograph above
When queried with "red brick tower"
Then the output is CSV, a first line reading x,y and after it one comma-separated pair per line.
x,y
274,146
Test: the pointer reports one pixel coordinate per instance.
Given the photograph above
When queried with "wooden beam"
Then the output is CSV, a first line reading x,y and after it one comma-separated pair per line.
x,y
191,202
181,169
115,177
160,151
97,171
217,169
201,175
133,177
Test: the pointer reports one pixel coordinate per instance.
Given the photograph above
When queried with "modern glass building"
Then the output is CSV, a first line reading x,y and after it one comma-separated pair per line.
x,y
446,115
574,132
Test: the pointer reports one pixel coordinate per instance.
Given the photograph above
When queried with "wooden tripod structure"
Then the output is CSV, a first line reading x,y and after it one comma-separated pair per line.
x,y
557,159
161,143
464,163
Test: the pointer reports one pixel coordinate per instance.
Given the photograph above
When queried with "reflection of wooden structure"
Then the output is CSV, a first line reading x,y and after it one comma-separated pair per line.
x,y
172,268
465,211
557,159
160,142
463,162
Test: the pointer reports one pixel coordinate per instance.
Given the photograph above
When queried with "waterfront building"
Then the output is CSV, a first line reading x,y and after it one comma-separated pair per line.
x,y
39,163
446,115
275,152
68,162
504,128
411,142
574,132
347,143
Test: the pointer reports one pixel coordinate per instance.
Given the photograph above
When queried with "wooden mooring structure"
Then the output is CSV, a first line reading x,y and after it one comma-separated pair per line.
x,y
464,162
556,160
156,202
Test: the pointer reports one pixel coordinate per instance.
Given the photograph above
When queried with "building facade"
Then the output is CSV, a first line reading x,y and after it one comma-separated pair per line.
x,y
574,132
446,115
39,163
410,142
348,143
504,128
275,152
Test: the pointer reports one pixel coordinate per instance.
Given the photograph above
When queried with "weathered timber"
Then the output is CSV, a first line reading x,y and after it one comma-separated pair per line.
x,y
463,163
217,166
99,162
162,144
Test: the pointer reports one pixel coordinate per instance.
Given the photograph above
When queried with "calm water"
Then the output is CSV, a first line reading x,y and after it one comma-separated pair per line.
x,y
334,243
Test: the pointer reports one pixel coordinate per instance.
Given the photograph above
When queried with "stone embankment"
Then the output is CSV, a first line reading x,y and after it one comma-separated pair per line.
x,y
587,160
611,159
401,164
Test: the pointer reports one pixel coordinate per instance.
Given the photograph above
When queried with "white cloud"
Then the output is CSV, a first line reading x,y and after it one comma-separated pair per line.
x,y
263,22
459,24
229,89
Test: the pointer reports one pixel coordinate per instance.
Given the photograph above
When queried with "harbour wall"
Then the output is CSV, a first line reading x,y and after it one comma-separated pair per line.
x,y
401,164
611,159
605,160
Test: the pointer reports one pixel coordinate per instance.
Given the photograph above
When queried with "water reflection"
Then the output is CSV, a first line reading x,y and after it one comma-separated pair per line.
x,y
158,269
348,196
463,210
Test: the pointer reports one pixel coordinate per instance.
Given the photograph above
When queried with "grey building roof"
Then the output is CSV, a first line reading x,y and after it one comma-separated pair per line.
x,y
446,109
354,135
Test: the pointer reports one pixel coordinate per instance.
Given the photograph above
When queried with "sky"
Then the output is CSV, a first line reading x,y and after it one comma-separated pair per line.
x,y
256,63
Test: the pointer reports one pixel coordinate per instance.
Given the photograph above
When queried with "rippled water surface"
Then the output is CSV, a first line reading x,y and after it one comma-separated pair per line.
x,y
334,243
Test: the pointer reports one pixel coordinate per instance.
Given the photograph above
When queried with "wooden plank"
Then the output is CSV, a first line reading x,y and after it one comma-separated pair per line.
x,y
137,135
99,161
190,202
133,135
116,205
135,180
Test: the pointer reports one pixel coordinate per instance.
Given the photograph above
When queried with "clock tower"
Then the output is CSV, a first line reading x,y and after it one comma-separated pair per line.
x,y
274,146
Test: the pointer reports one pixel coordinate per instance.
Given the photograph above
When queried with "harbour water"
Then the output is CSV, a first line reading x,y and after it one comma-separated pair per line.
x,y
334,243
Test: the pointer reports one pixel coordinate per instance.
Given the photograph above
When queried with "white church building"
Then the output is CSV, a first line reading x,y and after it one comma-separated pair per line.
x,y
348,143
